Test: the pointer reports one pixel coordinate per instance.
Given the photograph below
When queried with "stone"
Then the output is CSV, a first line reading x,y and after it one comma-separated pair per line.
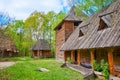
x,y
43,70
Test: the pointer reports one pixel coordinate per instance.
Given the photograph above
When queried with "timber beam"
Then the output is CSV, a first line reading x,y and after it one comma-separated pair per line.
x,y
65,57
92,57
110,61
78,57
72,57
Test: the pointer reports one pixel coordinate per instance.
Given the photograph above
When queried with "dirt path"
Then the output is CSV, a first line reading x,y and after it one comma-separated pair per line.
x,y
6,64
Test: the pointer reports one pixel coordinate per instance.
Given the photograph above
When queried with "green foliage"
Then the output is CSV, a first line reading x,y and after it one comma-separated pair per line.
x,y
68,59
105,69
89,7
28,70
96,66
38,25
102,67
16,32
41,25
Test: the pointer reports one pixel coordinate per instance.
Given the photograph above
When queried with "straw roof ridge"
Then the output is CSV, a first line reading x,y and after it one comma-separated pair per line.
x,y
41,44
6,43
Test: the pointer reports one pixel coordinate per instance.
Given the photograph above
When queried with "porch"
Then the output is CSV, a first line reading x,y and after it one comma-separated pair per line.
x,y
84,71
88,73
85,58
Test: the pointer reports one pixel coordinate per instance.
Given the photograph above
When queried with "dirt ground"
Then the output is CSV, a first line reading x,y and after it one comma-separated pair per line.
x,y
6,64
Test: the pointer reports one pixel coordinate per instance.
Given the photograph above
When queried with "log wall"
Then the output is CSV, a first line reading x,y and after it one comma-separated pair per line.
x,y
42,54
100,54
85,56
61,36
67,54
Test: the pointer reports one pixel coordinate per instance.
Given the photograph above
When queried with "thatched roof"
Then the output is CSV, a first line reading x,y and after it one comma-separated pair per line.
x,y
41,45
71,16
6,44
94,38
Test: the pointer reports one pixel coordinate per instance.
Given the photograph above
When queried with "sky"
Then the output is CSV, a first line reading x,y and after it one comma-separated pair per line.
x,y
21,9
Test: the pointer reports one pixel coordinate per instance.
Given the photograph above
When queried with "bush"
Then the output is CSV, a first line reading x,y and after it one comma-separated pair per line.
x,y
105,69
102,67
69,60
96,66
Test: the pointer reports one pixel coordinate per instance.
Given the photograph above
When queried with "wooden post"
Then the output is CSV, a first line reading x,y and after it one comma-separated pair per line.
x,y
78,57
65,57
92,58
41,54
37,53
72,57
2,53
110,61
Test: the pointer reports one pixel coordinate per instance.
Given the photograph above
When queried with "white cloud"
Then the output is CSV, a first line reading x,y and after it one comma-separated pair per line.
x,y
21,9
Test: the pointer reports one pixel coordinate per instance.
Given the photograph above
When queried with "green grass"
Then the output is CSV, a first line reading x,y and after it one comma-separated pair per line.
x,y
27,70
23,59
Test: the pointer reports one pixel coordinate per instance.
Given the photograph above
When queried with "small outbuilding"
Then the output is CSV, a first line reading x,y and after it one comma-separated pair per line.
x,y
41,49
7,47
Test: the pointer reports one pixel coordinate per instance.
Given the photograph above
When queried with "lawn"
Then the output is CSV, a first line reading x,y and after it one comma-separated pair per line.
x,y
27,69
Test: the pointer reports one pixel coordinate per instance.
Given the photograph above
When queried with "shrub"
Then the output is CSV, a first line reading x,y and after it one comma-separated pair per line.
x,y
96,66
105,69
102,67
69,60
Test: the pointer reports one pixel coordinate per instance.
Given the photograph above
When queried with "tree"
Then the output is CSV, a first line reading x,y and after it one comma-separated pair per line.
x,y
40,25
51,21
34,23
89,7
16,32
5,19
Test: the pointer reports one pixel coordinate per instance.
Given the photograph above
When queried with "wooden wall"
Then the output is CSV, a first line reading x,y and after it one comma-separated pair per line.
x,y
61,36
35,54
46,54
67,54
116,57
100,54
85,56
69,28
42,54
6,54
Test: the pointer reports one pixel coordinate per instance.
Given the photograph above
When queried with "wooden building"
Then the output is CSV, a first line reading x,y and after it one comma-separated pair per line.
x,y
7,47
41,49
97,38
64,29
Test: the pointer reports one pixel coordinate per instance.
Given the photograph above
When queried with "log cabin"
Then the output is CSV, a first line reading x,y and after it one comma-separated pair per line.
x,y
7,47
97,38
41,49
64,29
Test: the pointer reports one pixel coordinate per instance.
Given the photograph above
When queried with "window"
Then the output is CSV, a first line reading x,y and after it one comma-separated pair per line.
x,y
59,27
80,33
76,23
106,19
102,25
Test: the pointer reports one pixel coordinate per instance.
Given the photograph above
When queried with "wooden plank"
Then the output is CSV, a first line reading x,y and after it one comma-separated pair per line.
x,y
92,58
38,53
72,57
78,57
65,57
110,61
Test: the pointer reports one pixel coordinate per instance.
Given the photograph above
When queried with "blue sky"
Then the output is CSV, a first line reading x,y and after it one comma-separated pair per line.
x,y
21,9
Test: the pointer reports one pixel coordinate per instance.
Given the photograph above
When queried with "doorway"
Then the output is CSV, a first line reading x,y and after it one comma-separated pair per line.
x,y
75,55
